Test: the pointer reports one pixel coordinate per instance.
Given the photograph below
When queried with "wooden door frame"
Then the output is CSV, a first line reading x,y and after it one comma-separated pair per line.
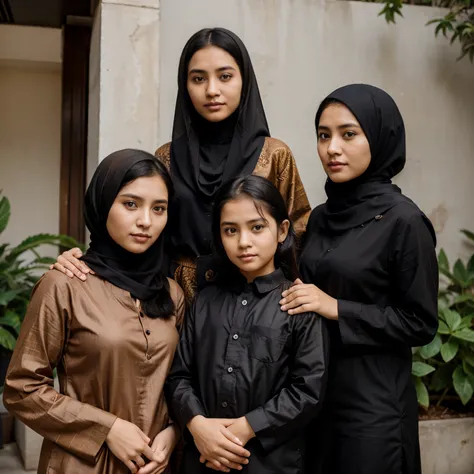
x,y
75,100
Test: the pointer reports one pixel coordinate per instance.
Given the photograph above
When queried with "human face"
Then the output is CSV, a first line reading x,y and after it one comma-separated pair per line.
x,y
342,145
250,237
214,83
139,214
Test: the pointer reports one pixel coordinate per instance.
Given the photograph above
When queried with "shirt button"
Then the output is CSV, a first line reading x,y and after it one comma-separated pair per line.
x,y
148,332
224,404
235,337
244,302
209,275
230,370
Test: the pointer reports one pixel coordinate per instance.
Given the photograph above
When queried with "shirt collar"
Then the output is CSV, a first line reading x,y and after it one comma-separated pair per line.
x,y
262,285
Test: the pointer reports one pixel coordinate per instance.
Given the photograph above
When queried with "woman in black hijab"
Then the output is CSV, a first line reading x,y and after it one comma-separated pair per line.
x,y
219,132
370,268
112,338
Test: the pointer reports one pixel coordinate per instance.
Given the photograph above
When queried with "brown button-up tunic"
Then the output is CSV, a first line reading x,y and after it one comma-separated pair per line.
x,y
111,360
277,164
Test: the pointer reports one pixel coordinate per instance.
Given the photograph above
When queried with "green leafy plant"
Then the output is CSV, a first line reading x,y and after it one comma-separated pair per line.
x,y
457,24
20,268
444,369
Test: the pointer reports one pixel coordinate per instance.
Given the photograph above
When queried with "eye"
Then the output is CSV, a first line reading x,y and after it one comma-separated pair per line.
x,y
159,209
258,227
130,204
226,77
323,136
197,79
230,230
349,134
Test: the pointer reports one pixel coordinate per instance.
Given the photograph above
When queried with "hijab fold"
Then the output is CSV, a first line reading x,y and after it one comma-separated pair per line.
x,y
140,274
205,154
360,200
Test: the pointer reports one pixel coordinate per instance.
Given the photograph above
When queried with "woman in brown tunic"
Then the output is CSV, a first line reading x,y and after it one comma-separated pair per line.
x,y
219,132
111,338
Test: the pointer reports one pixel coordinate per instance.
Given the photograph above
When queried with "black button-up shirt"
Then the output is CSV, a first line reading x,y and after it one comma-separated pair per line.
x,y
239,355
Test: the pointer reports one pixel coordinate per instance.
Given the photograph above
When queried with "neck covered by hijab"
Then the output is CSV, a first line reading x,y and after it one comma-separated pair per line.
x,y
140,274
206,154
358,201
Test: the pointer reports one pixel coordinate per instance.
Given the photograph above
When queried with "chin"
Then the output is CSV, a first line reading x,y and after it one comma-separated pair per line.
x,y
339,178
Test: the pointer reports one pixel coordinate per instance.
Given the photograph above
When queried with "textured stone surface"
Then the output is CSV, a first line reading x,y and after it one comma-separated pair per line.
x,y
447,446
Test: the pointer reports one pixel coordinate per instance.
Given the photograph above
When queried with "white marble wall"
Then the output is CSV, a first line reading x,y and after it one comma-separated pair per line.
x,y
124,78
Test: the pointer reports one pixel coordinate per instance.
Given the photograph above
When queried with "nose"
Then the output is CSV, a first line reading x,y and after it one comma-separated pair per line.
x,y
213,89
244,240
334,146
144,219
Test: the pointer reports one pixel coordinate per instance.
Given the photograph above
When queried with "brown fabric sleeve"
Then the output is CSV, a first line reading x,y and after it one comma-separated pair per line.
x,y
291,188
163,154
29,393
177,295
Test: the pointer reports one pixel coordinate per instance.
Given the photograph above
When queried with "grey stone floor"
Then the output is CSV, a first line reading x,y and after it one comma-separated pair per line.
x,y
10,461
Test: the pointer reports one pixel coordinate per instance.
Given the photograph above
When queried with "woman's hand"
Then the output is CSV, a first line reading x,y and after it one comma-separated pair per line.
x,y
217,444
163,445
128,443
242,430
68,263
301,298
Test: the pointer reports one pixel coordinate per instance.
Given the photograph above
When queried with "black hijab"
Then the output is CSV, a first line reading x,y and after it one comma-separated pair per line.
x,y
358,201
140,274
206,154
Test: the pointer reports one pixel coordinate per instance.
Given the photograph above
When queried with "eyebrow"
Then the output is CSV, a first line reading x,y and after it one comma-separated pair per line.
x,y
138,198
203,71
253,221
345,125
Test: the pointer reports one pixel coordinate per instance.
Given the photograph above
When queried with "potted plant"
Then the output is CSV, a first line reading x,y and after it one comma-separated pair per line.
x,y
20,268
444,373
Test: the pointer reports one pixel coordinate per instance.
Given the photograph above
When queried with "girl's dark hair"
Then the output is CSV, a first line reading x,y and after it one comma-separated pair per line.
x,y
161,305
265,195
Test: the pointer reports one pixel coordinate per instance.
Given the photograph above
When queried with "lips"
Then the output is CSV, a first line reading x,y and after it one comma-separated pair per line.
x,y
247,257
140,238
214,105
336,163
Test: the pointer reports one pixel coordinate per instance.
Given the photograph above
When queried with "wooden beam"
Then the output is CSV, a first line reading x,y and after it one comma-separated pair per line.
x,y
75,96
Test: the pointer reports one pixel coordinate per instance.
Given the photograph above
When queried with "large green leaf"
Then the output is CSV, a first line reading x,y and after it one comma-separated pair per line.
x,y
468,234
452,318
7,340
469,358
4,213
31,243
7,296
464,335
466,322
442,378
420,369
462,385
463,299
12,320
449,350
431,349
460,273
443,328
470,265
443,262
422,393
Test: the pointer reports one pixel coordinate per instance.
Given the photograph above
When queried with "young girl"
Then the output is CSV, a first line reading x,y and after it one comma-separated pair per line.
x,y
219,132
112,338
245,373
369,266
